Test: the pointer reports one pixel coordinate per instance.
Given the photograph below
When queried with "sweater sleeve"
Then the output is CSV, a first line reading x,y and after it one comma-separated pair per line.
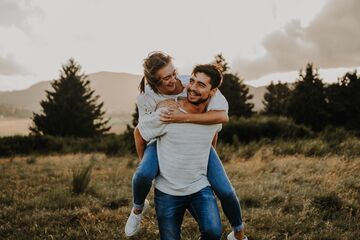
x,y
149,123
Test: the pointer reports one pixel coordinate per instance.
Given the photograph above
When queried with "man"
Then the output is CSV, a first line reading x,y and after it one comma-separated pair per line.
x,y
183,151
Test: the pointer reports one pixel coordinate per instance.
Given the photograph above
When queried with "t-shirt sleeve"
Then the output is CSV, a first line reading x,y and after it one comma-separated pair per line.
x,y
218,103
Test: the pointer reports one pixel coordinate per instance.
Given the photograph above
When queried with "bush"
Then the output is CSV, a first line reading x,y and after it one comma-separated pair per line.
x,y
246,130
329,205
110,144
81,179
29,144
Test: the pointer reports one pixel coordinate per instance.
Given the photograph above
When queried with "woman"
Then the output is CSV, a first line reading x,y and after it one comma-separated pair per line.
x,y
163,83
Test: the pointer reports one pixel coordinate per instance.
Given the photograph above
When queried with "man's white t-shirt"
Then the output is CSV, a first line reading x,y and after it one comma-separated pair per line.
x,y
183,152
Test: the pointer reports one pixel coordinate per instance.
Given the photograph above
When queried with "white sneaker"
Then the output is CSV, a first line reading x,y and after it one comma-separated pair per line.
x,y
231,236
133,223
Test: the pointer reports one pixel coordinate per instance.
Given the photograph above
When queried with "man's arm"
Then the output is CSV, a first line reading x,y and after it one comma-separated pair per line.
x,y
207,118
140,143
214,141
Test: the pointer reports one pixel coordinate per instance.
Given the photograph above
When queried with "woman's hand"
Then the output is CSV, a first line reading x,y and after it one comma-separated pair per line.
x,y
173,115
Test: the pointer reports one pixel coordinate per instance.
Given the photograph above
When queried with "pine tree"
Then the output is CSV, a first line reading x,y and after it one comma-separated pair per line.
x,y
235,91
344,101
70,109
276,99
307,103
135,117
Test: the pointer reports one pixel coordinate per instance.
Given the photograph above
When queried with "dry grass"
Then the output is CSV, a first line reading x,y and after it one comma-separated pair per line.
x,y
289,197
14,126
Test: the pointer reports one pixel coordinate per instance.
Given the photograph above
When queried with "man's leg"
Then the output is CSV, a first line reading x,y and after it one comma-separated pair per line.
x,y
170,213
204,209
223,189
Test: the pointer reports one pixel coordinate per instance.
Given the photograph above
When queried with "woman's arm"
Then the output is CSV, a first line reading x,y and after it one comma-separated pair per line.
x,y
140,143
207,118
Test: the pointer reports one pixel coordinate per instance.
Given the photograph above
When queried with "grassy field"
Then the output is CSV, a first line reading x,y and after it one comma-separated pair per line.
x,y
14,126
288,197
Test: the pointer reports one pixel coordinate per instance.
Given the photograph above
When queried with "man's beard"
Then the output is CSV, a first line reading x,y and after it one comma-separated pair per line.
x,y
198,102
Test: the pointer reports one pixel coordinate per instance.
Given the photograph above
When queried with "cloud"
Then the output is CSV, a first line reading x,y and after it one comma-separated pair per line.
x,y
9,67
330,41
16,14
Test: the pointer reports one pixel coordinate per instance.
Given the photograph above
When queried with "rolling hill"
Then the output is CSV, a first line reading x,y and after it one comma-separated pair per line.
x,y
118,91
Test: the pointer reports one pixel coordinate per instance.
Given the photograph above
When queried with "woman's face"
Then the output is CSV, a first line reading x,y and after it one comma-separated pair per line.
x,y
167,79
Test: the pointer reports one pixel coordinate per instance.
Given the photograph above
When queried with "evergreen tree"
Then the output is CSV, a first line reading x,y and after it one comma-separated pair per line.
x,y
70,109
135,117
128,134
134,122
276,99
344,101
307,103
235,91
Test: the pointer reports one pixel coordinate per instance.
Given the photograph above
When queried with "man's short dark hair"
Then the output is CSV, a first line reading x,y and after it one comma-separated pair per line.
x,y
211,71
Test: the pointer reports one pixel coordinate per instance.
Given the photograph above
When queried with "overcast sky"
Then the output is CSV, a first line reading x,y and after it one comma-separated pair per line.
x,y
262,40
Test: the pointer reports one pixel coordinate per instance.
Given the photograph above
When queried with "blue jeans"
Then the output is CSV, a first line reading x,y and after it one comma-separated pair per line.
x,y
148,169
202,206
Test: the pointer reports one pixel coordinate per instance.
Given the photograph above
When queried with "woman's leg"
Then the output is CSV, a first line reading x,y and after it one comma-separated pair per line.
x,y
141,184
223,189
145,173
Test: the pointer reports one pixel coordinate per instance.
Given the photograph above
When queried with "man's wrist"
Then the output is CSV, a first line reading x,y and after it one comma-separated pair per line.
x,y
186,118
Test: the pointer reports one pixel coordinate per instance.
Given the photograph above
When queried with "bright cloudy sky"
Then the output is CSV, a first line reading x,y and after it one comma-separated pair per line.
x,y
262,40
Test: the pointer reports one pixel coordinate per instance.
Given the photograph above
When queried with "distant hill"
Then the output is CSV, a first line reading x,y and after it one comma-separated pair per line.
x,y
16,112
118,91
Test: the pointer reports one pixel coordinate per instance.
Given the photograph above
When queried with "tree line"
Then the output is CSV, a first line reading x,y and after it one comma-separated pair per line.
x,y
311,102
308,101
72,109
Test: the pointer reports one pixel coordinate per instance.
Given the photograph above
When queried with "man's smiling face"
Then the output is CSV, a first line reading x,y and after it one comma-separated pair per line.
x,y
199,88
